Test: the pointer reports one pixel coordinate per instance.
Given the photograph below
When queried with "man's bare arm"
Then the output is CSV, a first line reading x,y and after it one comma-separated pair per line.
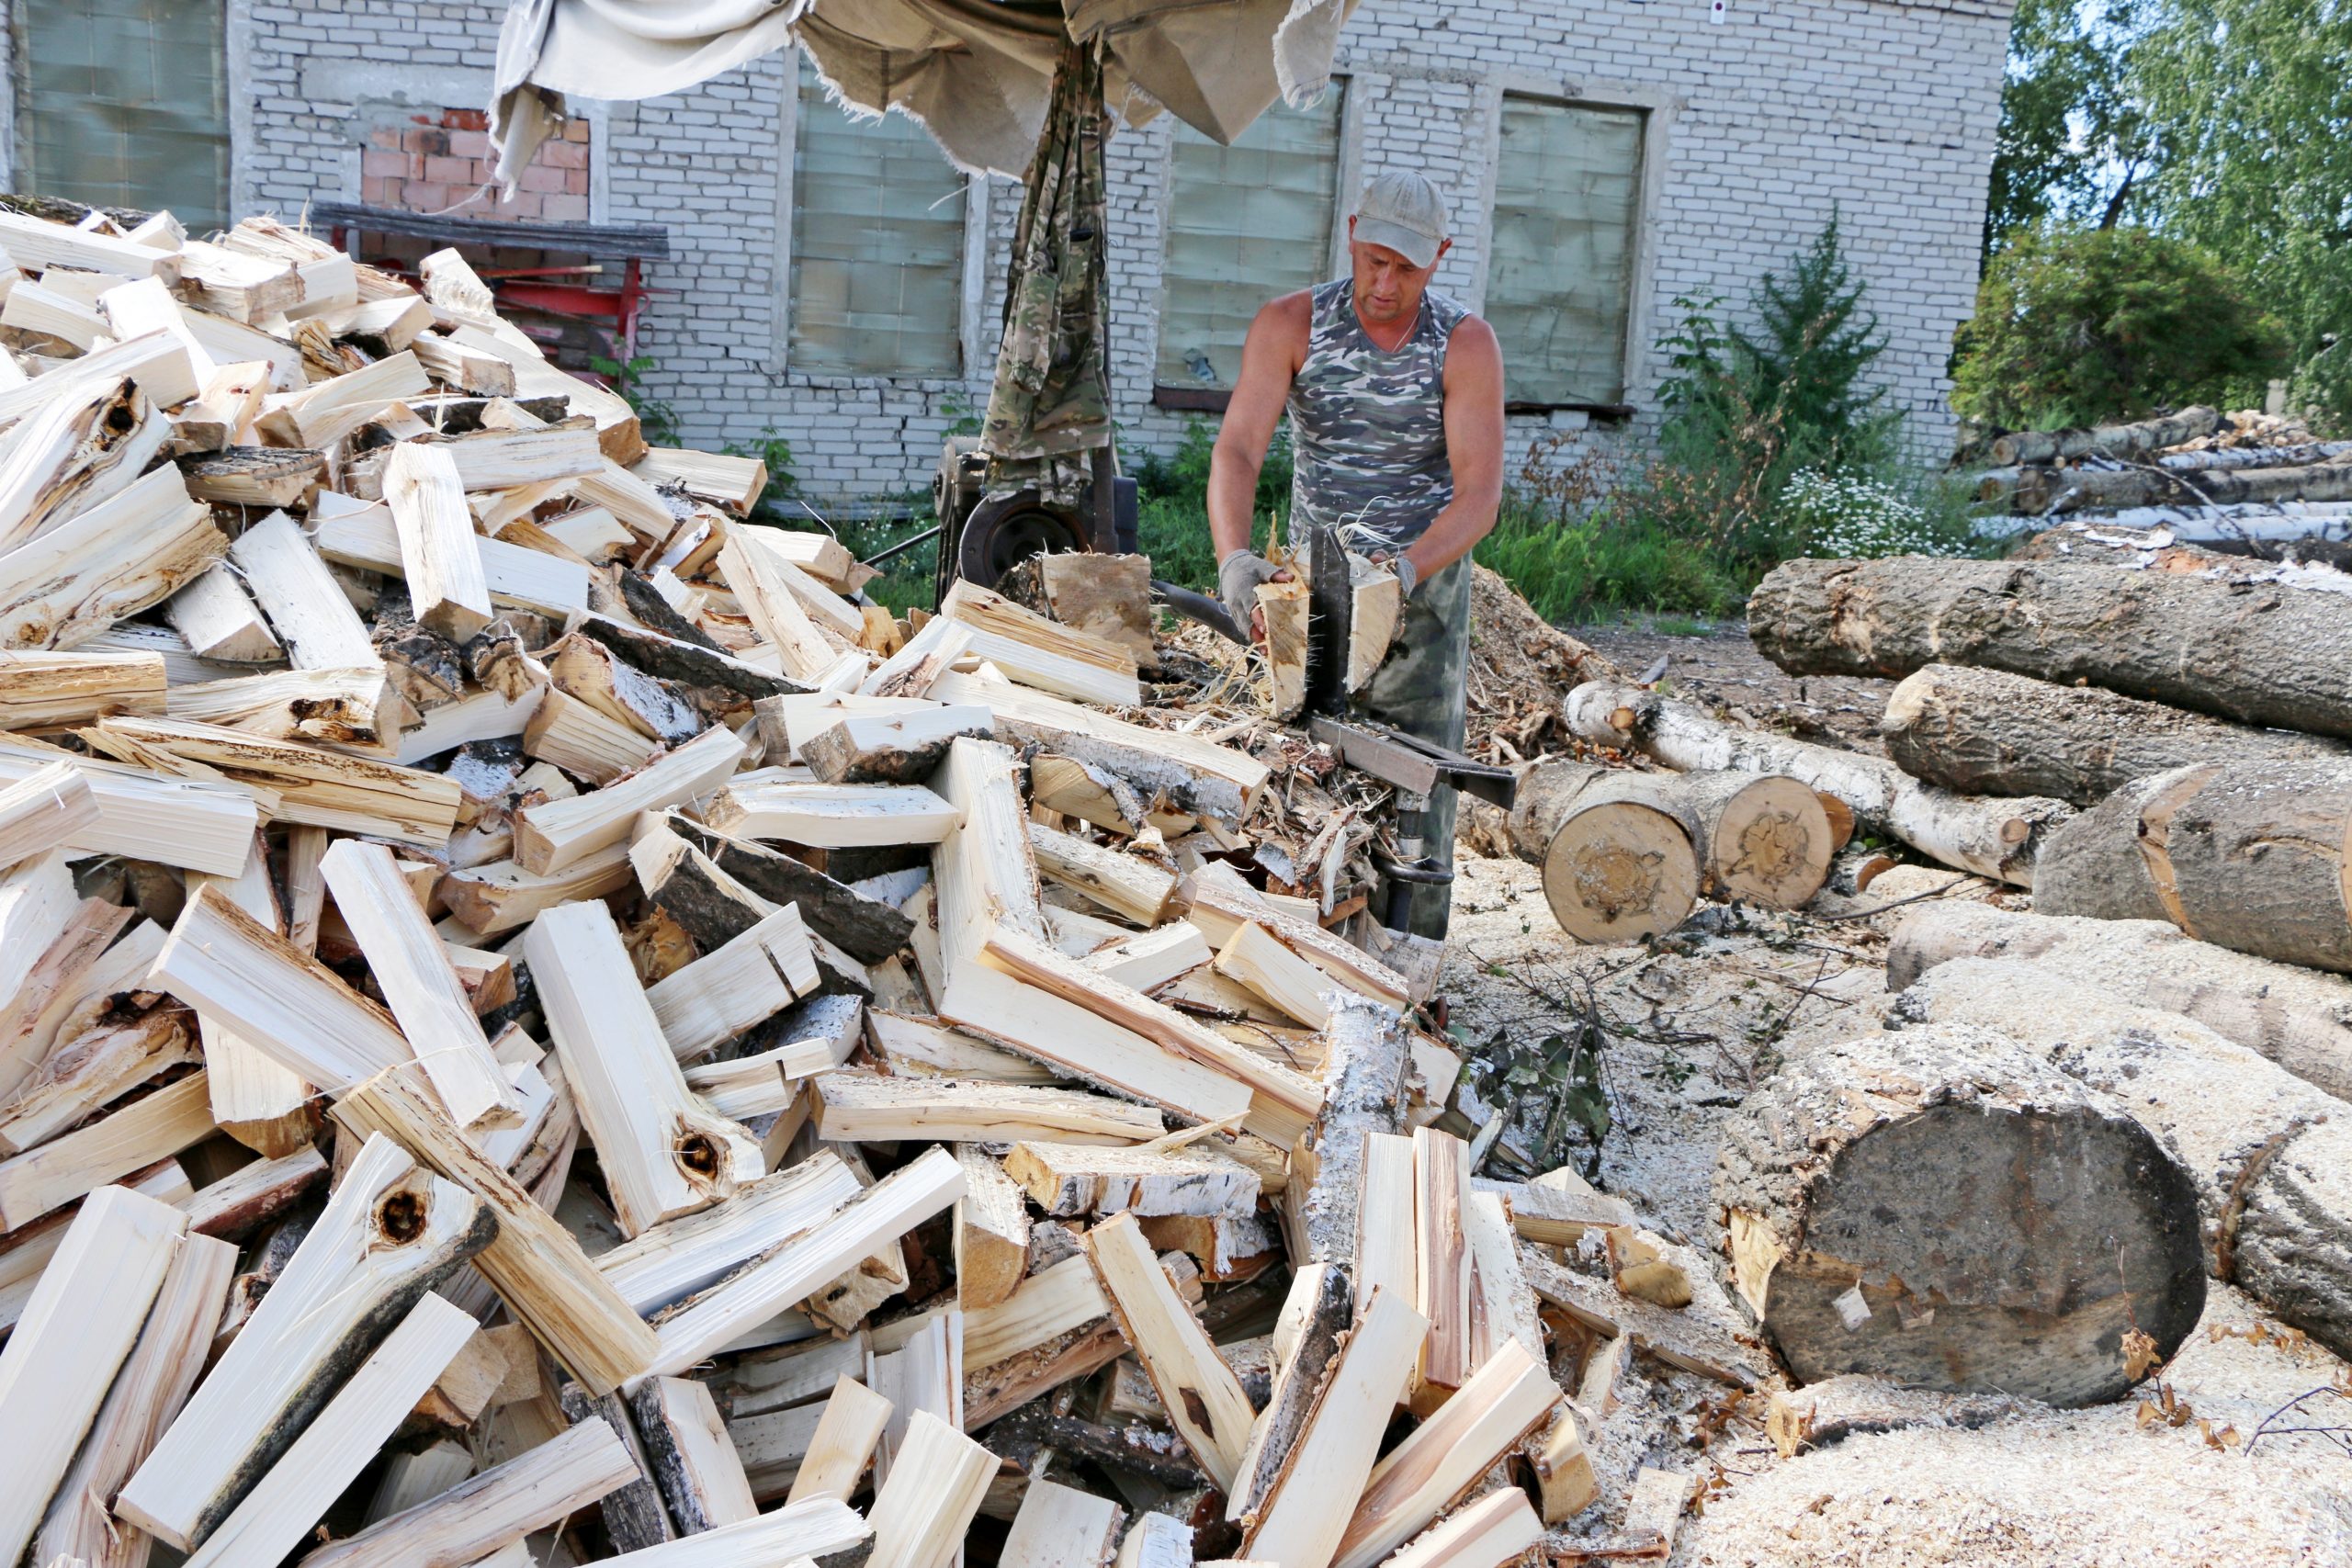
x,y
1271,356
1474,445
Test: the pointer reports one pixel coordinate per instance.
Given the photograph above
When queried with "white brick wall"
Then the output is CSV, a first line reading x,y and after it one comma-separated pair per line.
x,y
1882,109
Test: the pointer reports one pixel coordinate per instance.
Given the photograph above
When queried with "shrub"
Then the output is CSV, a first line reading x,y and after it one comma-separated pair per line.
x,y
1849,515
1172,505
2076,327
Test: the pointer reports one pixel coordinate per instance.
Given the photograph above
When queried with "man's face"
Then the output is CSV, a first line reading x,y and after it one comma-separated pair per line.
x,y
1388,288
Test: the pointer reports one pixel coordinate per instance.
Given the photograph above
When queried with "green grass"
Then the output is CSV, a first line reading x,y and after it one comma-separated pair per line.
x,y
1606,567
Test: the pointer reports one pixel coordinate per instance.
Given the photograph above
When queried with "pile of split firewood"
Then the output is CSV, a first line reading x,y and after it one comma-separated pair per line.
x,y
537,1026
2070,1119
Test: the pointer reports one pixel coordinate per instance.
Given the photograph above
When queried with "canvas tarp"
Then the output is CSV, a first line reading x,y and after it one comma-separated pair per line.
x,y
976,74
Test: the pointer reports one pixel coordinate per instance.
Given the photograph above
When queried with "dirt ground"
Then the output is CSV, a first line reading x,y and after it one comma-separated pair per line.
x,y
1688,1027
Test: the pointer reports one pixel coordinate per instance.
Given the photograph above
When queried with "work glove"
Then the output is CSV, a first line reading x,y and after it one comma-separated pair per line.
x,y
1238,577
1407,579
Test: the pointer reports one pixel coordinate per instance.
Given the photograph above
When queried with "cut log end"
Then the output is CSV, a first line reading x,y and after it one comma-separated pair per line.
x,y
1619,872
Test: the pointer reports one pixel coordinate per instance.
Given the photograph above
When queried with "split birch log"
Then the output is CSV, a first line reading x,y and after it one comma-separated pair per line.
x,y
1282,607
1975,1221
1990,838
795,1535
2109,440
390,1234
147,1394
2264,657
534,1263
2256,858
991,1232
330,1453
933,1492
51,691
1203,1398
42,810
81,1323
1988,732
535,1490
2268,1152
2298,1019
693,1459
844,1443
107,564
1497,1529
662,1151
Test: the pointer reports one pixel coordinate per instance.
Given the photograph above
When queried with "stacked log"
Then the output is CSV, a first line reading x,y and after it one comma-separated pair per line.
x,y
2129,440
1625,856
2267,1151
1990,732
1976,1220
2272,656
1989,838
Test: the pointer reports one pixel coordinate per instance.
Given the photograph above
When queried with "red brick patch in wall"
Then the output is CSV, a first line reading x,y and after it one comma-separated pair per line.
x,y
437,163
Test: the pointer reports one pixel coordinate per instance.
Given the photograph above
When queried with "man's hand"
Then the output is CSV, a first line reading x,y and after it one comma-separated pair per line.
x,y
1238,577
1408,576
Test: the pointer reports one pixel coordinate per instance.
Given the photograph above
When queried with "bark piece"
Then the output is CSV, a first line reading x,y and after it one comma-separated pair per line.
x,y
1988,732
1942,1208
864,928
2258,655
1836,1408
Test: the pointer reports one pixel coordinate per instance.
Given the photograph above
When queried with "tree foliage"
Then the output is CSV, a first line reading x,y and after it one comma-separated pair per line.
x,y
2075,327
2071,139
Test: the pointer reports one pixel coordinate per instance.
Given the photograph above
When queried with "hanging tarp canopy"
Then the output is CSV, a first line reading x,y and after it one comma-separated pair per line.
x,y
976,74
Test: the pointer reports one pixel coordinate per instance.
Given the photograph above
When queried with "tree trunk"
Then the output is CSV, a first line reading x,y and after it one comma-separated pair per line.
x,y
2081,489
2268,1152
2252,858
1619,855
2097,866
1988,732
1940,1207
2114,440
2297,1018
2273,655
2294,457
1990,838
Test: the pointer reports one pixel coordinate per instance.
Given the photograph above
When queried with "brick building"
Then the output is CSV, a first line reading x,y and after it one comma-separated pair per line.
x,y
837,283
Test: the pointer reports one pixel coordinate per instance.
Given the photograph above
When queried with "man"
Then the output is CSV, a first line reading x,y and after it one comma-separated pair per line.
x,y
1396,401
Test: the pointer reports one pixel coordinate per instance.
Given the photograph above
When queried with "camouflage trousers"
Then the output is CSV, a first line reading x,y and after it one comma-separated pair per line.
x,y
1422,690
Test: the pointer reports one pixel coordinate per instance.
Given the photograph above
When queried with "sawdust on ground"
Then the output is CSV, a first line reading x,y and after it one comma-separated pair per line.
x,y
1693,1022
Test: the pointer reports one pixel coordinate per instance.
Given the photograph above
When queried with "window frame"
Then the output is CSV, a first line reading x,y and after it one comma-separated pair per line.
x,y
1658,109
973,349
1347,162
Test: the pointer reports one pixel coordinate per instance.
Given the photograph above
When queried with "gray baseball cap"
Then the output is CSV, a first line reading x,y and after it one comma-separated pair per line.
x,y
1404,212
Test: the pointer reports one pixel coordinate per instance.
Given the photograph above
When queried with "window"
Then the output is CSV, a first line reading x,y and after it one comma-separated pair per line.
x,y
124,103
1567,185
1245,223
877,246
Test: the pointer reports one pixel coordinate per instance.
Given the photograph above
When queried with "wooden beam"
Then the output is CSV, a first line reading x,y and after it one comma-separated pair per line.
x,y
662,1152
147,1394
536,1490
389,1232
333,1449
550,837
830,816
81,1323
231,968
438,554
535,1266
864,1108
934,1491
1296,1526
1203,1398
844,1443
705,1321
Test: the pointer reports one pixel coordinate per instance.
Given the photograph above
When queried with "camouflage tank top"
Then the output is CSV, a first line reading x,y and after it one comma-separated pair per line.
x,y
1368,427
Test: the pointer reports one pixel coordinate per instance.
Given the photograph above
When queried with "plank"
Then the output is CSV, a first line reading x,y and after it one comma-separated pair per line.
x,y
147,1394
388,1233
535,1265
862,1107
331,1451
81,1323
1296,1524
661,1151
1220,909
557,834
420,987
830,817
1202,1397
36,243
538,1489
